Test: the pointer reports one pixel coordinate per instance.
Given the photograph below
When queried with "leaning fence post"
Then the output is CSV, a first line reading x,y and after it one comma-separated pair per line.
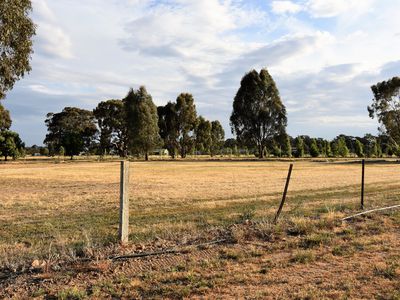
x,y
362,183
124,203
284,194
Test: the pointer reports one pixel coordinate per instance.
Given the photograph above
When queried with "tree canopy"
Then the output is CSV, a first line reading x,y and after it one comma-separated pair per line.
x,y
73,128
111,119
258,113
386,106
187,117
5,120
10,144
16,31
142,121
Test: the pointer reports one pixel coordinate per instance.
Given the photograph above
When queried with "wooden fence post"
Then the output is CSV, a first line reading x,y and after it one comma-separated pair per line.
x,y
284,194
362,182
124,203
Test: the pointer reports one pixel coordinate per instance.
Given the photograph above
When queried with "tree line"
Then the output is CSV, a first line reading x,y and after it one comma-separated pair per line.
x,y
134,126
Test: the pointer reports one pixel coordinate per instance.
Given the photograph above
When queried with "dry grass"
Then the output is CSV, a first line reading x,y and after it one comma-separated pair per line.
x,y
50,211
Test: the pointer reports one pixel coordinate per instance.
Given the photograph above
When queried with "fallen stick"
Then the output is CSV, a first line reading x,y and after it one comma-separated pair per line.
x,y
370,211
167,251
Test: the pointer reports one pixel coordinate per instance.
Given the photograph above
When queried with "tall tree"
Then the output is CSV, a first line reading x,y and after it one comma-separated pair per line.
x,y
16,31
111,120
169,127
186,116
386,107
203,135
359,148
5,120
342,149
299,143
258,113
73,128
314,151
217,137
142,121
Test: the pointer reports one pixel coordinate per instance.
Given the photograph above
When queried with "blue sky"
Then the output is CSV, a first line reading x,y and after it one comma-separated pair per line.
x,y
323,54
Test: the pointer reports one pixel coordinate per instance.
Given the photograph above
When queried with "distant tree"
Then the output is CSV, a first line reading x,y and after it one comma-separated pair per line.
x,y
111,119
203,135
258,113
230,143
10,144
5,120
16,31
299,147
186,116
328,150
61,152
287,146
359,148
342,149
370,145
334,148
142,121
73,128
314,151
217,137
169,127
386,107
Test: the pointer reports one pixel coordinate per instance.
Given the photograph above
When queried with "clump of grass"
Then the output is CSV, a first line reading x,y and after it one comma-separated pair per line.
x,y
299,226
303,257
342,250
231,254
315,240
247,215
73,293
388,271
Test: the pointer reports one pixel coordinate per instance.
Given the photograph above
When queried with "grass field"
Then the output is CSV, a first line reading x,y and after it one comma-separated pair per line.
x,y
62,211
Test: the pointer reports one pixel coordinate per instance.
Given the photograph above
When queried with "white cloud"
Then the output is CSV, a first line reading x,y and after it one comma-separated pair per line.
x,y
285,7
51,39
332,8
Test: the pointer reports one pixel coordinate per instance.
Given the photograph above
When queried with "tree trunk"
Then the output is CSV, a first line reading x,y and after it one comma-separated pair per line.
x,y
260,151
72,157
5,158
146,156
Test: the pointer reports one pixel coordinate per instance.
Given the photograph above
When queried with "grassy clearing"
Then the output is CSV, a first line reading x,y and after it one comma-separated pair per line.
x,y
59,212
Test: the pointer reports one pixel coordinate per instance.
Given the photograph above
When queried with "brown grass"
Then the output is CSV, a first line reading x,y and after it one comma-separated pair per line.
x,y
51,211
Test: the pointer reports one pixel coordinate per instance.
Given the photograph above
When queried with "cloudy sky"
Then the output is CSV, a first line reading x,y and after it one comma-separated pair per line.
x,y
323,54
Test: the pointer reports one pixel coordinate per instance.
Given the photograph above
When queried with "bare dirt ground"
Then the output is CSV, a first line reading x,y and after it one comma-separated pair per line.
x,y
58,231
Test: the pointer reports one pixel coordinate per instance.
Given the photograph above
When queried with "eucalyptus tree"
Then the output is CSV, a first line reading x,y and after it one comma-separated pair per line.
x,y
258,113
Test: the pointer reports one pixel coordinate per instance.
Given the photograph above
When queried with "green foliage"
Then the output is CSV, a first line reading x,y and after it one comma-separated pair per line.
x,y
203,135
359,148
187,117
287,147
16,31
386,106
5,120
299,147
314,151
258,113
217,137
328,150
342,149
169,127
10,144
73,128
111,120
371,147
61,152
142,121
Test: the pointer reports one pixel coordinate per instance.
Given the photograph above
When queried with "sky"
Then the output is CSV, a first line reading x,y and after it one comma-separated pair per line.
x,y
324,55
